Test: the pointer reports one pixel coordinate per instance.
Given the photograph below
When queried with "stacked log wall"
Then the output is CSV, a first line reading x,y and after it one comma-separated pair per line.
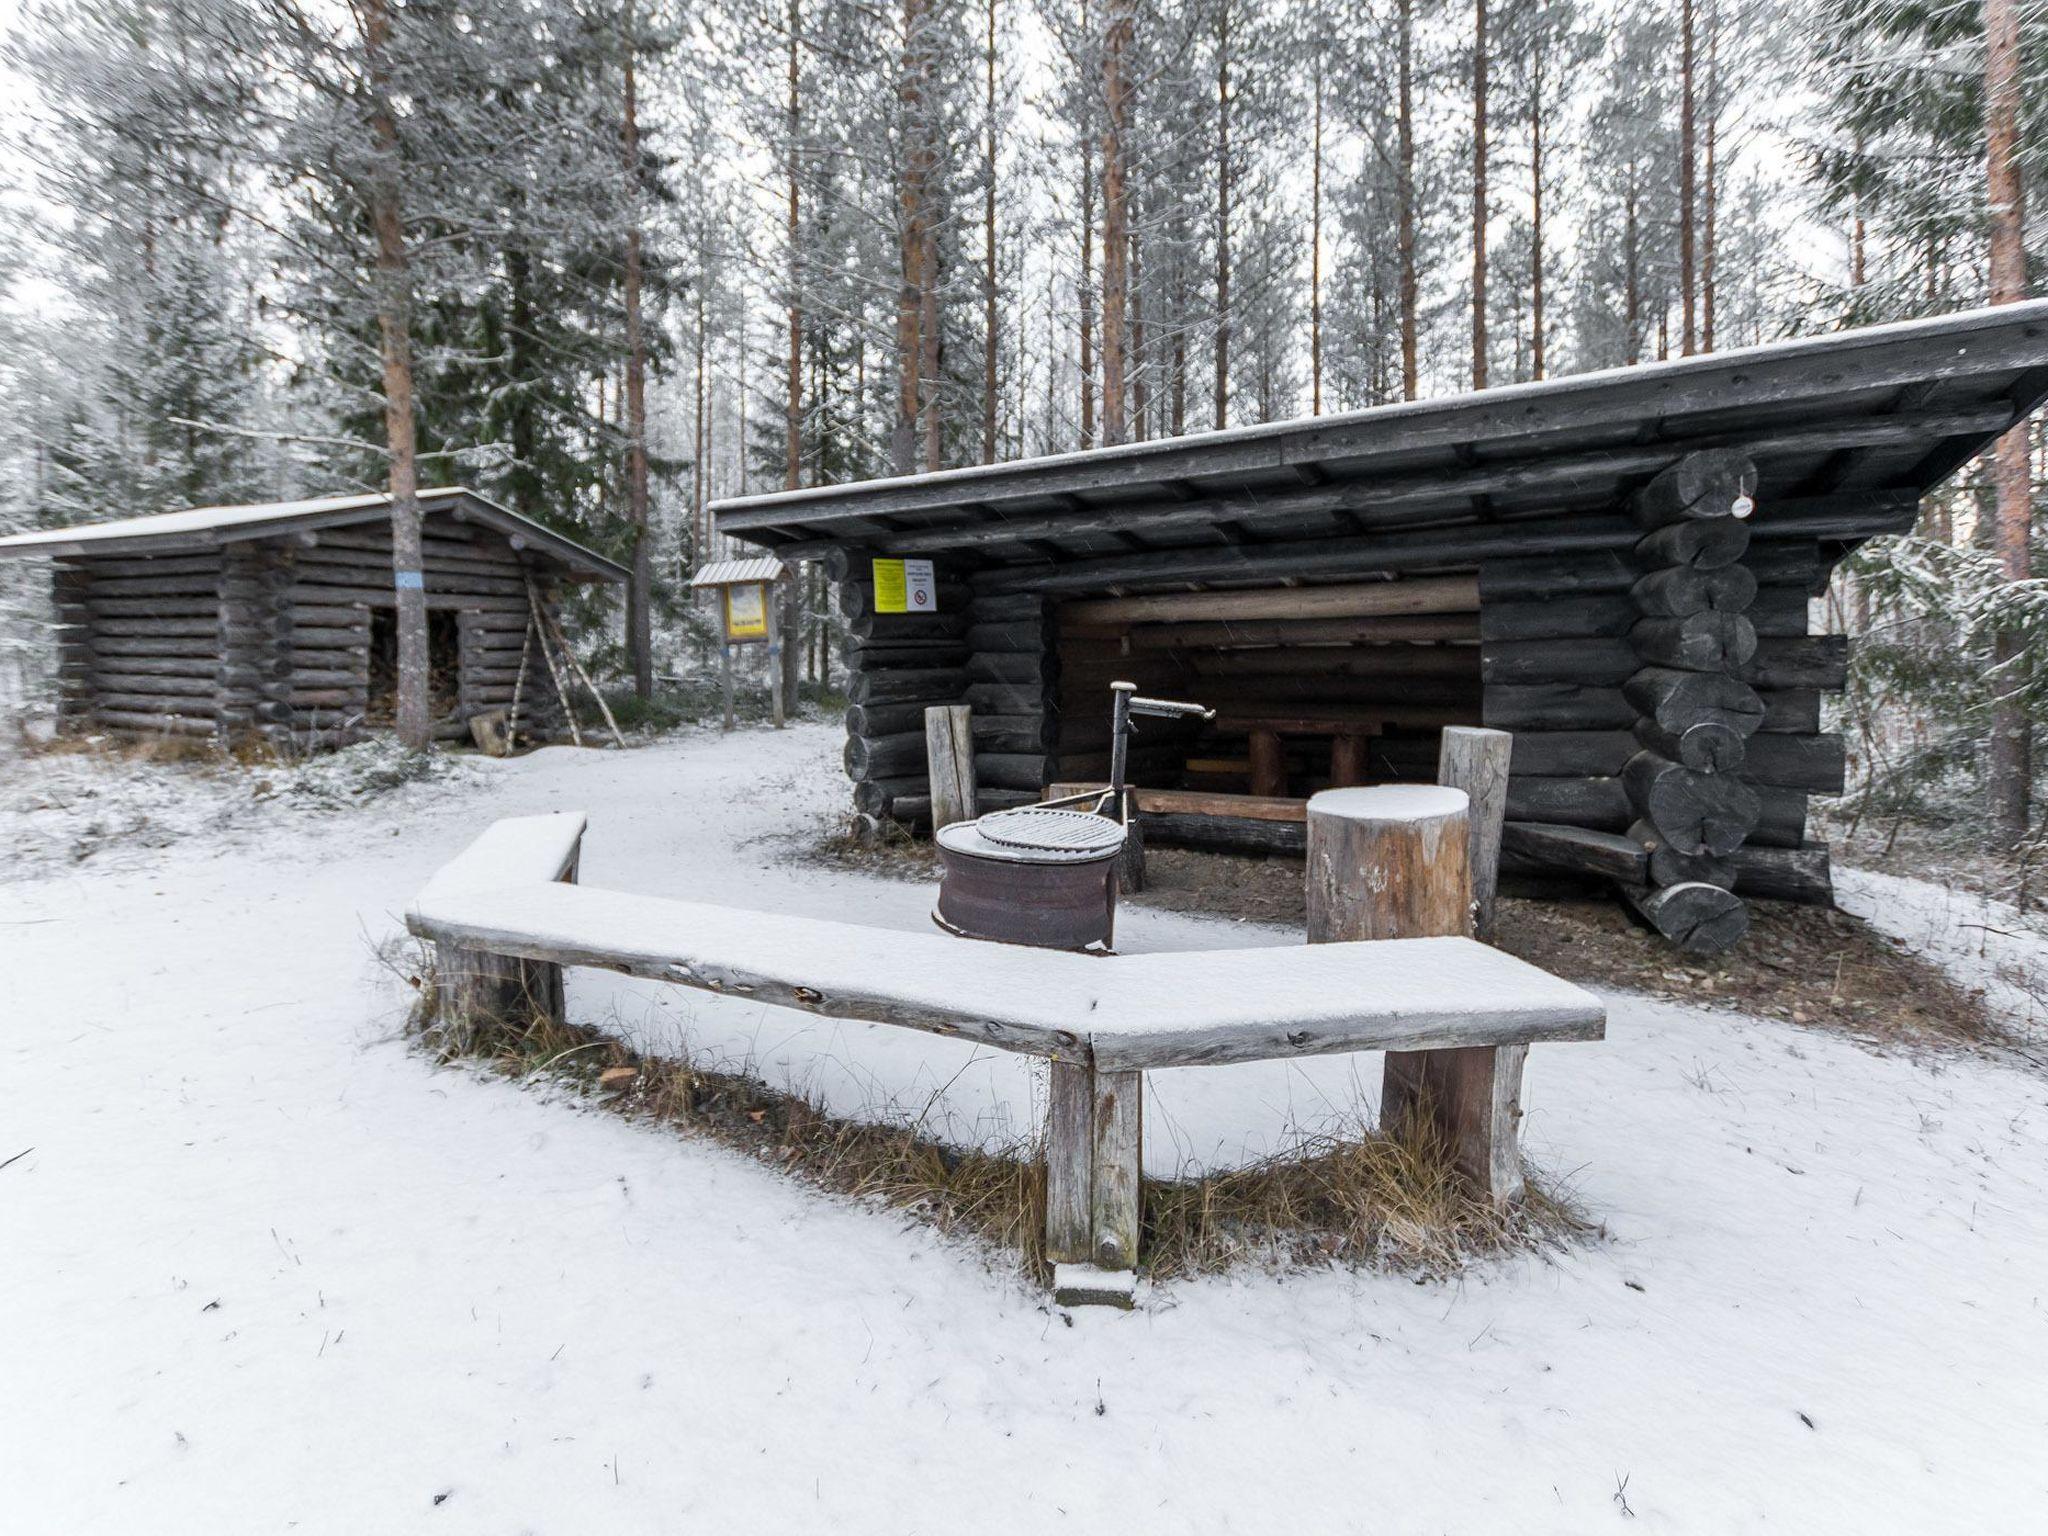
x,y
256,673
139,643
476,573
1559,660
1577,650
898,665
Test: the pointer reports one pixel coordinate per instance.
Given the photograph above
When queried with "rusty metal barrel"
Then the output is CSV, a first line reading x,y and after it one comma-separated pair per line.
x,y
1030,876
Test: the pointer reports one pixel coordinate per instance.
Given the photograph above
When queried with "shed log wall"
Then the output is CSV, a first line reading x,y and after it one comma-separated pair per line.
x,y
270,638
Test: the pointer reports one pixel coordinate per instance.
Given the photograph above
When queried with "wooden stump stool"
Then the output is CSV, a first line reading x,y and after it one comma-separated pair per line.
x,y
1393,862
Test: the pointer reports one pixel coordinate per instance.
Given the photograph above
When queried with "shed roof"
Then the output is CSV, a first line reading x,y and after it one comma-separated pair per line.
x,y
1891,410
733,573
209,527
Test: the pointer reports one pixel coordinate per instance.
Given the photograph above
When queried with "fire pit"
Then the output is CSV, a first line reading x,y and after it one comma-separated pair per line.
x,y
1031,876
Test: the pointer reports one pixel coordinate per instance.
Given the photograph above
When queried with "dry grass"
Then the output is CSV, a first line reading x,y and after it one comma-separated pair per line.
x,y
1361,1198
160,747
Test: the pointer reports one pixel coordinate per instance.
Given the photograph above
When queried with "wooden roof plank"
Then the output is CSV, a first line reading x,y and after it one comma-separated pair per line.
x,y
1789,378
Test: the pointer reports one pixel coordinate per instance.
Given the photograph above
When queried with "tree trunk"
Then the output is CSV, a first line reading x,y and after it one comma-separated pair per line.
x,y
1116,246
911,242
1315,246
788,655
640,590
988,246
1632,299
1406,193
2011,747
1223,190
394,337
1708,192
792,127
1479,69
1686,194
1086,296
1536,360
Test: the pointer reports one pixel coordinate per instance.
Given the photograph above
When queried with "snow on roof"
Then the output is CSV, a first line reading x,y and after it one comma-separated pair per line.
x,y
1641,375
217,525
206,519
726,573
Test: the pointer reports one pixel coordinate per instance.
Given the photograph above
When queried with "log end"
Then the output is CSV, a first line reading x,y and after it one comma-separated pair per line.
x,y
1700,919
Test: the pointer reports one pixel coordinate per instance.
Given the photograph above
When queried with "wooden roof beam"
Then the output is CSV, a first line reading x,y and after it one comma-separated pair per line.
x,y
1427,487
1856,516
1799,378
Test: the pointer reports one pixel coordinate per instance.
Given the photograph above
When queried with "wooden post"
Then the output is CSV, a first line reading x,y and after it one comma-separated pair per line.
x,y
475,990
725,680
538,610
1347,759
1269,766
1475,760
1394,862
949,759
1094,1124
770,600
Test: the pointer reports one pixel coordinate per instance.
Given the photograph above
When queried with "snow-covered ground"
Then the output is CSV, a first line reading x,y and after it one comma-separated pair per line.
x,y
262,1266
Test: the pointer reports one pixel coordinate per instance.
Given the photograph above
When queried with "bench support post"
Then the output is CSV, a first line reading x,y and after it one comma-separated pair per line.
x,y
1093,1125
1473,1098
474,989
1395,863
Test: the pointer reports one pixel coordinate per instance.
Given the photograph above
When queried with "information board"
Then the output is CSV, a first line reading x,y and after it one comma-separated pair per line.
x,y
905,586
746,612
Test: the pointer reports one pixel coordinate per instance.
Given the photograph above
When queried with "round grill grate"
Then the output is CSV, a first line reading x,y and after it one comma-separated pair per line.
x,y
1054,831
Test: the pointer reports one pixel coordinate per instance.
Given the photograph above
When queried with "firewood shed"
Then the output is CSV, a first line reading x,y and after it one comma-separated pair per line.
x,y
1618,568
276,621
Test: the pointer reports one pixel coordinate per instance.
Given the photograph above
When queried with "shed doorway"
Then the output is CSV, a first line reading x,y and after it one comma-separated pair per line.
x,y
444,665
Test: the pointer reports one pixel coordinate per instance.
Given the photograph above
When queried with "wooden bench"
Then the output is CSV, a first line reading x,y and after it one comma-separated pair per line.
x,y
506,916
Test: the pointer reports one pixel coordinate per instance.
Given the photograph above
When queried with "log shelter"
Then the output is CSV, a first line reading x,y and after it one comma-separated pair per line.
x,y
277,621
1617,567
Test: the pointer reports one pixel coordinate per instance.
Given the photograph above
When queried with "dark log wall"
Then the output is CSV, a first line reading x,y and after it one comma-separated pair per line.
x,y
993,653
140,647
270,639
257,672
1652,665
1680,680
473,571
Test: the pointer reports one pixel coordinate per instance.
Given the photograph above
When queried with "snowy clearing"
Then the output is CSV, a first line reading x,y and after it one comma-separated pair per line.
x,y
264,1266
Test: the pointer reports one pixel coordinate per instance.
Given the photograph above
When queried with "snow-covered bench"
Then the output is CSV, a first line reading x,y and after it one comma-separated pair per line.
x,y
506,915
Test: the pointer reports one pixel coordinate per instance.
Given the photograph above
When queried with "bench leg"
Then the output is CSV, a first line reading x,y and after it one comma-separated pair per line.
x,y
474,990
1474,1097
1093,1126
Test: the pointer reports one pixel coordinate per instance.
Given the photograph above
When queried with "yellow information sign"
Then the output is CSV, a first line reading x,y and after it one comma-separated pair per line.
x,y
746,612
892,588
905,586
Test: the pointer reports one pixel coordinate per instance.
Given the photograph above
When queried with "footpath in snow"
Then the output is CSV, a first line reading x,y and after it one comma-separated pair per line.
x,y
264,1267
